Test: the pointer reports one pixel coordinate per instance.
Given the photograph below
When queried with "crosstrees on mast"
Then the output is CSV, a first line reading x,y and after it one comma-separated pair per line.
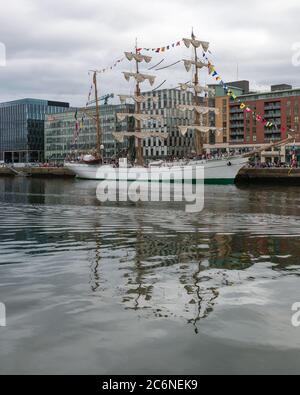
x,y
138,98
138,111
199,127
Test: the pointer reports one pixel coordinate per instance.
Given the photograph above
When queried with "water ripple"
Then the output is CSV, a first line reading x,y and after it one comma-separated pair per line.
x,y
71,267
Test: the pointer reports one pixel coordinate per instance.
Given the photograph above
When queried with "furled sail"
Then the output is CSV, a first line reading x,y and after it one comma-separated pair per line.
x,y
138,57
198,109
138,99
201,89
198,88
120,136
123,98
185,86
140,77
188,64
139,117
203,129
196,43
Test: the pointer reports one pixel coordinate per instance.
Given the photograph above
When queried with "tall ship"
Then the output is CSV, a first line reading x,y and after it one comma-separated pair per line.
x,y
211,170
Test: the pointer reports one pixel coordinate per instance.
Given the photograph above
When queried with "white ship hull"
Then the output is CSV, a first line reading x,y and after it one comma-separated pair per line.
x,y
212,171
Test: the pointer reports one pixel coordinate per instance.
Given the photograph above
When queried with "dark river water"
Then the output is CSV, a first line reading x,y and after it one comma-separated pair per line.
x,y
140,288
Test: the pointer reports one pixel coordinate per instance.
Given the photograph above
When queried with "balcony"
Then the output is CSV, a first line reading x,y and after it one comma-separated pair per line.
x,y
275,122
239,123
240,126
272,114
237,117
235,141
235,134
272,131
236,111
273,107
272,138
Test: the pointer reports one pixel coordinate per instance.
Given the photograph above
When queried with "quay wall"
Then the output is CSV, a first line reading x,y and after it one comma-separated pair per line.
x,y
268,175
39,172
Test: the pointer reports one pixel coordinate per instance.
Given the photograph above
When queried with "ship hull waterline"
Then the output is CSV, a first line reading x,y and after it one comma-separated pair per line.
x,y
213,172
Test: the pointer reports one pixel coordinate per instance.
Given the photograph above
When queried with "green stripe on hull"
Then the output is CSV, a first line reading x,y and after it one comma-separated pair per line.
x,y
219,181
212,181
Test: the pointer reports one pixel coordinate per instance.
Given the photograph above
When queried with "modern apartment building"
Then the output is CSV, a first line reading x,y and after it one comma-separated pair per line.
x,y
280,106
166,104
222,102
22,126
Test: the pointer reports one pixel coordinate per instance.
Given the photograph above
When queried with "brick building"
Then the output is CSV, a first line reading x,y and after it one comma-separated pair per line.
x,y
280,106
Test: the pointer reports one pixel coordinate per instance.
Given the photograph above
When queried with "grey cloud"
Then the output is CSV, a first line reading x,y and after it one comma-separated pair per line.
x,y
51,45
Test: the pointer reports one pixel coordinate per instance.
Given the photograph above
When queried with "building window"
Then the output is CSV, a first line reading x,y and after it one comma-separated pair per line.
x,y
296,115
288,115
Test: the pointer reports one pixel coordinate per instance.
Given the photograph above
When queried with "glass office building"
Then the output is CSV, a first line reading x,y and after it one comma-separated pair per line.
x,y
63,140
22,128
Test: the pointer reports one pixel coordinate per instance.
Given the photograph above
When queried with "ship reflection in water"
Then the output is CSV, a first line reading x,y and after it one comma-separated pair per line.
x,y
122,281
180,275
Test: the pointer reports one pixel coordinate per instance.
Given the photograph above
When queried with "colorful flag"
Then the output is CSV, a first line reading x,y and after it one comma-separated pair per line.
x,y
161,49
212,70
294,153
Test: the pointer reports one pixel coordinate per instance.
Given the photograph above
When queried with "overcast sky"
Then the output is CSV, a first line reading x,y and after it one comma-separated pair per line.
x,y
51,44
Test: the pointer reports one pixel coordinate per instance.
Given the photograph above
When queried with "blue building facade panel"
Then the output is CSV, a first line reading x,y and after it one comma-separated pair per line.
x,y
22,128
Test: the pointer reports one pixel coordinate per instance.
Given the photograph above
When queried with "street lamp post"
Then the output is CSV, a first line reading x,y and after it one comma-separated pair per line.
x,y
102,148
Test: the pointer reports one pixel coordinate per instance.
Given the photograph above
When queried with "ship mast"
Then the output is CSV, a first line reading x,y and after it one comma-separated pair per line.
x,y
198,135
99,133
198,126
138,115
138,128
